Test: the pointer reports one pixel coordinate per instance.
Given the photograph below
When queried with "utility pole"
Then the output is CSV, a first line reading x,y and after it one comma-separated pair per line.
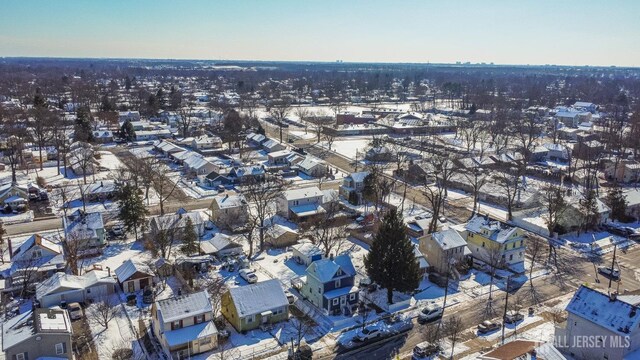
x,y
613,261
506,305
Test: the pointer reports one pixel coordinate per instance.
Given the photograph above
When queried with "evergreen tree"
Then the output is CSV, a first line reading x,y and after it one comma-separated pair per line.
x,y
369,190
189,239
132,210
127,83
391,262
617,201
127,132
83,128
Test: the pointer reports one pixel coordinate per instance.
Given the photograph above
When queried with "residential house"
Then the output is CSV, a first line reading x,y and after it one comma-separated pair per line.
x,y
626,171
133,276
557,152
13,195
300,204
306,252
100,191
103,136
330,285
633,203
153,134
168,148
313,167
176,223
379,153
235,175
87,228
495,243
585,106
444,250
252,306
610,321
587,150
279,236
256,140
128,115
220,245
61,287
184,325
279,158
34,260
206,142
272,145
38,334
229,211
419,226
196,164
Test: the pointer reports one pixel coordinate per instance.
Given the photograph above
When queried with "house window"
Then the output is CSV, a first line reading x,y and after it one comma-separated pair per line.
x,y
352,296
199,319
21,356
335,301
510,257
337,283
36,253
60,348
319,290
205,341
249,319
88,290
175,325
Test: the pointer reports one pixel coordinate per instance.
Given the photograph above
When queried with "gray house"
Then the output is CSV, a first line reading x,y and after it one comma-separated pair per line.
x,y
87,228
43,333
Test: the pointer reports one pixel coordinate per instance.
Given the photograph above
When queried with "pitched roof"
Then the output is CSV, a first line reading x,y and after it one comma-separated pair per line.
x,y
217,243
612,314
184,306
325,270
67,281
448,239
37,240
230,201
259,297
128,268
297,194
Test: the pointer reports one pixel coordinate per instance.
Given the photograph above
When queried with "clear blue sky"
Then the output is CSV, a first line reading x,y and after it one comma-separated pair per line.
x,y
586,32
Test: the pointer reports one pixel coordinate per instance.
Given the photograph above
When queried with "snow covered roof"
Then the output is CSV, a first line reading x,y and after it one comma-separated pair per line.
x,y
280,153
219,242
22,327
325,270
184,306
104,186
304,193
491,229
448,239
190,333
358,177
83,225
307,209
64,281
130,267
37,240
177,220
259,297
306,248
599,308
230,201
309,163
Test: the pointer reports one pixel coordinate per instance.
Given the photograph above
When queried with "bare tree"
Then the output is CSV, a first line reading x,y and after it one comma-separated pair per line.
x,y
452,329
84,157
556,206
262,195
185,116
477,179
215,286
103,311
535,249
328,231
162,236
74,244
439,169
279,110
329,138
510,181
41,125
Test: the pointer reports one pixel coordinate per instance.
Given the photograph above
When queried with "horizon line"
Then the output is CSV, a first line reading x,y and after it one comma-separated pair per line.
x,y
337,61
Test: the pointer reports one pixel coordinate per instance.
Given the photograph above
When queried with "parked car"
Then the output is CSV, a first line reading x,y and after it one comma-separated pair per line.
x,y
425,349
117,230
75,311
368,333
290,298
513,316
429,313
609,272
488,326
249,275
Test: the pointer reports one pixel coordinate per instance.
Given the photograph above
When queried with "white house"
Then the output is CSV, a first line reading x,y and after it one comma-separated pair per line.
x,y
71,288
300,204
610,322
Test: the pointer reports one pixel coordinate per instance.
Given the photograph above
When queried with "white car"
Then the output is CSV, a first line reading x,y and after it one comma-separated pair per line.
x,y
368,333
249,275
429,313
75,311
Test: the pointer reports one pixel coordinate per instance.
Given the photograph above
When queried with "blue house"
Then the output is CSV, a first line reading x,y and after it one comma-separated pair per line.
x,y
330,285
